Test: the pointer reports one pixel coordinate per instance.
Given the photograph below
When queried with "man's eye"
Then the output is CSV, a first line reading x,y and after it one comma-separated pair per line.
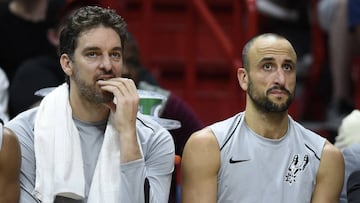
x,y
267,66
91,54
287,67
116,55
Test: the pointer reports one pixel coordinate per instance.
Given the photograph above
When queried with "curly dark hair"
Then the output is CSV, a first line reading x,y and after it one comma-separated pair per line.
x,y
86,18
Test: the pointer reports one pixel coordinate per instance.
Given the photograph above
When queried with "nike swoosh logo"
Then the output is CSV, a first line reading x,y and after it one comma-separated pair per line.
x,y
237,161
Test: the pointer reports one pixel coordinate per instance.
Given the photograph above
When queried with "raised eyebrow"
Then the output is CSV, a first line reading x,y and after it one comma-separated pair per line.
x,y
117,49
86,49
290,61
266,59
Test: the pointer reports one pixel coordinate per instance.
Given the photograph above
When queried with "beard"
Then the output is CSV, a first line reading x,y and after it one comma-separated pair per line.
x,y
91,92
263,102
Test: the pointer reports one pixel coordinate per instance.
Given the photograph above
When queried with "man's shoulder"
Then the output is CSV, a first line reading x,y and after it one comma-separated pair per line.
x,y
27,115
352,149
330,148
148,128
9,140
154,138
306,132
9,136
351,155
204,137
23,123
10,150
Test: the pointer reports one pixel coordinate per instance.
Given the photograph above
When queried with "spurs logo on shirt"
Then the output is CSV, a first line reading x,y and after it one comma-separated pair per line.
x,y
295,167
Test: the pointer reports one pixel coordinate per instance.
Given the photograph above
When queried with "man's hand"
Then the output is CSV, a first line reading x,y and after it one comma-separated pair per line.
x,y
125,109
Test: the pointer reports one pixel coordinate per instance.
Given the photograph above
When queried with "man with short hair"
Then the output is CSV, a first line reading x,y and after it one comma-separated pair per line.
x,y
86,142
262,154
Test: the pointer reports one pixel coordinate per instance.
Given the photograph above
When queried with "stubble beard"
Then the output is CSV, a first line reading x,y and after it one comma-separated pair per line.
x,y
264,103
92,92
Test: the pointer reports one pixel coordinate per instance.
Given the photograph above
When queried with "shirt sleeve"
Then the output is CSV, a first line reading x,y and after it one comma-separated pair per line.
x,y
150,178
352,163
353,187
4,96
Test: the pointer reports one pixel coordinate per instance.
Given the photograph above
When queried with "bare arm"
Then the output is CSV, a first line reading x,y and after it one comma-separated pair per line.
x,y
10,160
330,178
200,166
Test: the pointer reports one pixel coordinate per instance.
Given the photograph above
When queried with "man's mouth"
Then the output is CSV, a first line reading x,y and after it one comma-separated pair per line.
x,y
104,78
276,90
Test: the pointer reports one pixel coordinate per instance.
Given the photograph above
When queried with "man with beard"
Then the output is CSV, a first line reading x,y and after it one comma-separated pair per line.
x,y
86,141
262,154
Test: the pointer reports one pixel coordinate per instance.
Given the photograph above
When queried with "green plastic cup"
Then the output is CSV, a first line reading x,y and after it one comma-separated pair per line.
x,y
150,102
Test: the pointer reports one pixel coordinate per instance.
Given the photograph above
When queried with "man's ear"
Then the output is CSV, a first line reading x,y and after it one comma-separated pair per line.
x,y
66,64
243,78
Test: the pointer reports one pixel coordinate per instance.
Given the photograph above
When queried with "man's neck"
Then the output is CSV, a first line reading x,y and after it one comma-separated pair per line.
x,y
267,124
87,111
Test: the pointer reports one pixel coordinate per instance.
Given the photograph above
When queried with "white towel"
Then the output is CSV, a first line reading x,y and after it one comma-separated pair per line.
x,y
59,164
349,132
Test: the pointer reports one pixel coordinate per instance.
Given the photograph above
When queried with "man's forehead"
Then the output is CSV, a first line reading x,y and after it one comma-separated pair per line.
x,y
98,37
271,46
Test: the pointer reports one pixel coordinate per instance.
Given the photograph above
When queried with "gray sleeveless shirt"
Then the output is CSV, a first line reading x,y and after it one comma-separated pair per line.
x,y
256,169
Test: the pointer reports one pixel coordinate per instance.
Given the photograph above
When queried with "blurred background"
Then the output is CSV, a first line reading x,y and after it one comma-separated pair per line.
x,y
193,49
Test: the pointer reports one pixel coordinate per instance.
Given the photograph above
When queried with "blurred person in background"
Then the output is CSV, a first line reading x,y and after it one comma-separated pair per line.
x,y
26,24
44,70
341,47
353,187
352,164
173,106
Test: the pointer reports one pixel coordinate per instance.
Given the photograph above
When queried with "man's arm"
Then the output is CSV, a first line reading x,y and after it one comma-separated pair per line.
x,y
199,167
353,187
10,160
125,112
156,167
330,177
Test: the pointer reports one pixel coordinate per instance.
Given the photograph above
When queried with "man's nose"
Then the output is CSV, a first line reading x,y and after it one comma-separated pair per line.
x,y
106,62
280,76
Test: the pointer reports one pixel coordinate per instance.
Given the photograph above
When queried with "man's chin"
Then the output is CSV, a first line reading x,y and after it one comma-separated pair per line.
x,y
108,97
104,97
279,107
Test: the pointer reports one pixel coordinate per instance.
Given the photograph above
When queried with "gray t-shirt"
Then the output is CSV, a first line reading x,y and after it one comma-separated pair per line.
x,y
352,163
157,164
257,169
